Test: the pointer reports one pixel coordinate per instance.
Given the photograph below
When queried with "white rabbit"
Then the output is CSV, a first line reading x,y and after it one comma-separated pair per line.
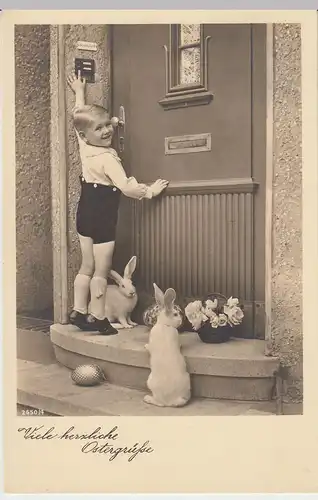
x,y
122,299
169,381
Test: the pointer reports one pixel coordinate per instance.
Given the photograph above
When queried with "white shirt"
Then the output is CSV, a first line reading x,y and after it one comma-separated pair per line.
x,y
103,166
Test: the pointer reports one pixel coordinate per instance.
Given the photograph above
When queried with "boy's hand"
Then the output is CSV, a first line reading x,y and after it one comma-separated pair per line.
x,y
76,83
158,186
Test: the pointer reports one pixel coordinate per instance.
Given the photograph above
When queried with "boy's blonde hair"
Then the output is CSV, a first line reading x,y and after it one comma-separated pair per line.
x,y
83,117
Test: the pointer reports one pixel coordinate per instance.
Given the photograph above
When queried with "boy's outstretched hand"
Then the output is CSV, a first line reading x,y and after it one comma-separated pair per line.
x,y
76,83
158,186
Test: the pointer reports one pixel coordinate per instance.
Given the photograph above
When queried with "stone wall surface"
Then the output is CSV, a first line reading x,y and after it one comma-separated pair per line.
x,y
33,187
287,203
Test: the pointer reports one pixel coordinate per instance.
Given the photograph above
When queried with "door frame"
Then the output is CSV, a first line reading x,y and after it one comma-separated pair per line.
x,y
269,176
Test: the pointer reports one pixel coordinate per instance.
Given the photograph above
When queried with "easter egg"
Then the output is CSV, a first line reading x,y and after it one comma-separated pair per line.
x,y
150,315
87,375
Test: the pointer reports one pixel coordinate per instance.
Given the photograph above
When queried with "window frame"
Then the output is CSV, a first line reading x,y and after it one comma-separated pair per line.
x,y
182,94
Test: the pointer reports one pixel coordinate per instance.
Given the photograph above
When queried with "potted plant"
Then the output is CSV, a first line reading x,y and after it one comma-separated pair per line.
x,y
214,318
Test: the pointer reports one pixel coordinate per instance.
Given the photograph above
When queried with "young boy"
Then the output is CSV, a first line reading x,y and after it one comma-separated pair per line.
x,y
103,180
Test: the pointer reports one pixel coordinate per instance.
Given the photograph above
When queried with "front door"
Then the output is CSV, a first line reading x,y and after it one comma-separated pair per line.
x,y
194,100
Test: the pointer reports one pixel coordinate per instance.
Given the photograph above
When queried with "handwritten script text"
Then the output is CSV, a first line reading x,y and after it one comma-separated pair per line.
x,y
96,441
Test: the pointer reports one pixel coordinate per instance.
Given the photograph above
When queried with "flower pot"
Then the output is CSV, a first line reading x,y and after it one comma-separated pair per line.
x,y
218,335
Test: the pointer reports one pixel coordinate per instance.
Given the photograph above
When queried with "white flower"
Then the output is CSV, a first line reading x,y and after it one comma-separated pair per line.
x,y
209,308
193,312
235,315
232,302
214,321
193,307
196,321
222,320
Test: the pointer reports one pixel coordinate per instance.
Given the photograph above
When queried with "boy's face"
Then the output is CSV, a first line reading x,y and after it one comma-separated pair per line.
x,y
99,132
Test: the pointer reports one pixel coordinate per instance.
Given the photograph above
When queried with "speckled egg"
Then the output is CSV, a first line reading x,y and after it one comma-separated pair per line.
x,y
87,375
151,313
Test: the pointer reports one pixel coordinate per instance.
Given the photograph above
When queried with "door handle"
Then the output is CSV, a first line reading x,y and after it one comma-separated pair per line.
x,y
120,120
119,123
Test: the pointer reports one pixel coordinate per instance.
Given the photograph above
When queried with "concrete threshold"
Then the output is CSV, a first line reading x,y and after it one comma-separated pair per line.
x,y
237,358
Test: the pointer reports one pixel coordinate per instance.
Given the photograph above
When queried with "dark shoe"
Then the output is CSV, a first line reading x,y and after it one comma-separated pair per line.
x,y
78,319
103,326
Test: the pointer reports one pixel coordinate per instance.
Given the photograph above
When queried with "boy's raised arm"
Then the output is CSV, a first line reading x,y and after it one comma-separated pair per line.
x,y
77,84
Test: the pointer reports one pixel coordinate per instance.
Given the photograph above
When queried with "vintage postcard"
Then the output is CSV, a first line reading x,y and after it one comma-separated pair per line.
x,y
160,250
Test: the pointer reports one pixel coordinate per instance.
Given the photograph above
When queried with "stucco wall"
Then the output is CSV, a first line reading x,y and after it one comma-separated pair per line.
x,y
287,242
98,93
33,193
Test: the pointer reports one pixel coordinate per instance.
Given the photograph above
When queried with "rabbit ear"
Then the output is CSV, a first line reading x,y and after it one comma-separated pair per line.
x,y
130,267
115,276
169,298
159,296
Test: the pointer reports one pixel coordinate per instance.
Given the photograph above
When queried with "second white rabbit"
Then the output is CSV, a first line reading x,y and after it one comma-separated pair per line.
x,y
169,380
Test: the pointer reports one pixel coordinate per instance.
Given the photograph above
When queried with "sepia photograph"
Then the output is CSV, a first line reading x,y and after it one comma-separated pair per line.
x,y
158,204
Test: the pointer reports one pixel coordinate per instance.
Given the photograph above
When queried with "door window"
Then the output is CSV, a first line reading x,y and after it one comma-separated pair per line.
x,y
186,67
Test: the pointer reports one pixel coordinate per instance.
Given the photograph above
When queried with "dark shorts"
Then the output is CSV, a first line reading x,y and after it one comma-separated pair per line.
x,y
97,212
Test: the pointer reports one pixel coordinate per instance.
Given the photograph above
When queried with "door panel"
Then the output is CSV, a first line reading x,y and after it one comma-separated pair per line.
x,y
227,118
198,241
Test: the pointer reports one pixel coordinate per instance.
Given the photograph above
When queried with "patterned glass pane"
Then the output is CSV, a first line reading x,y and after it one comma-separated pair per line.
x,y
190,66
189,33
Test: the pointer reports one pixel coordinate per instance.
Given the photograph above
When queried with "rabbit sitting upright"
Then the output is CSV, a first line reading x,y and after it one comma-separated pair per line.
x,y
122,299
169,381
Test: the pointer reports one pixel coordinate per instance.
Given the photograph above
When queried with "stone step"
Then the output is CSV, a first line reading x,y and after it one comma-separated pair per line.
x,y
236,370
50,388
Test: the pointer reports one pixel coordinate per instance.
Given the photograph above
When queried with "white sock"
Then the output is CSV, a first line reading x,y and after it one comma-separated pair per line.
x,y
81,291
98,297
